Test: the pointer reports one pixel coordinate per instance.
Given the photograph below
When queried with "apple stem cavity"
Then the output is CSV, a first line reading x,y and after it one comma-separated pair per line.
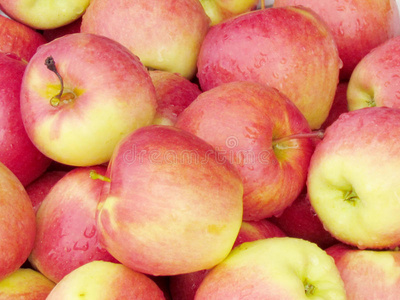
x,y
94,175
309,288
61,97
351,197
314,134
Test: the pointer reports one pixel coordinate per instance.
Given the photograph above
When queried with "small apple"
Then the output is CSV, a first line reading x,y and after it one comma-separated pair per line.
x,y
367,274
174,94
44,14
249,124
172,206
17,151
275,269
18,39
17,223
353,178
166,35
357,26
289,48
66,231
100,280
25,284
376,79
81,94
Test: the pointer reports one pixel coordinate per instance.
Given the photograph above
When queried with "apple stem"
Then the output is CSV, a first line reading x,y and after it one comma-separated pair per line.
x,y
51,65
314,134
94,175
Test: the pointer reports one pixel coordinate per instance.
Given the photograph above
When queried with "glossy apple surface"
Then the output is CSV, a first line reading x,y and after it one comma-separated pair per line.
x,y
107,94
352,180
17,223
169,197
245,121
358,26
289,48
166,35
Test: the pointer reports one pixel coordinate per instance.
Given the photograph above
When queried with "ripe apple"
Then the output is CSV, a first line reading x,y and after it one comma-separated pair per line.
x,y
299,220
18,39
66,231
100,280
357,26
289,48
174,93
353,178
275,269
105,93
184,286
17,223
339,105
368,274
220,10
376,79
248,123
39,188
166,35
25,284
172,206
17,151
44,14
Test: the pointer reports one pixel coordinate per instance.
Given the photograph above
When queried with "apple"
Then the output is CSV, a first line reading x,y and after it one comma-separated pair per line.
x,y
17,151
52,34
39,188
353,178
184,286
66,231
249,124
18,39
105,93
339,105
166,35
376,79
100,280
289,48
275,269
172,206
357,26
25,284
299,220
17,223
44,14
367,274
220,10
174,93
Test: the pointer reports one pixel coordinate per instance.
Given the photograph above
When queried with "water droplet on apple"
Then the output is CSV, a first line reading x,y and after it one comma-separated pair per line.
x,y
82,247
275,75
398,94
387,83
90,231
283,61
340,63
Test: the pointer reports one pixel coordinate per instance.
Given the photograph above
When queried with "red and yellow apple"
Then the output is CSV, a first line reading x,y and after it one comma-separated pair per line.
x,y
105,94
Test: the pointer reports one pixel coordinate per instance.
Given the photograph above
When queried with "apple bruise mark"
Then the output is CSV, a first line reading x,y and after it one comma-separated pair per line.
x,y
60,97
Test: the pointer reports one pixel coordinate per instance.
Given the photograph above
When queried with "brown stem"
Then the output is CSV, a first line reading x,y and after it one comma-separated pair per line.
x,y
314,134
51,65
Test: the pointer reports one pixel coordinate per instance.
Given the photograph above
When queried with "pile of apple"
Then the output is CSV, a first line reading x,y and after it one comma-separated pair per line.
x,y
193,149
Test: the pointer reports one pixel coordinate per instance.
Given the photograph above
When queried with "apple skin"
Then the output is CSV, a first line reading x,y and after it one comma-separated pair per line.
x,y
184,286
174,94
17,151
52,34
66,231
358,26
289,48
17,220
339,105
166,36
170,196
352,180
44,14
38,189
113,95
299,220
274,268
241,120
25,284
376,79
100,280
367,274
19,39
